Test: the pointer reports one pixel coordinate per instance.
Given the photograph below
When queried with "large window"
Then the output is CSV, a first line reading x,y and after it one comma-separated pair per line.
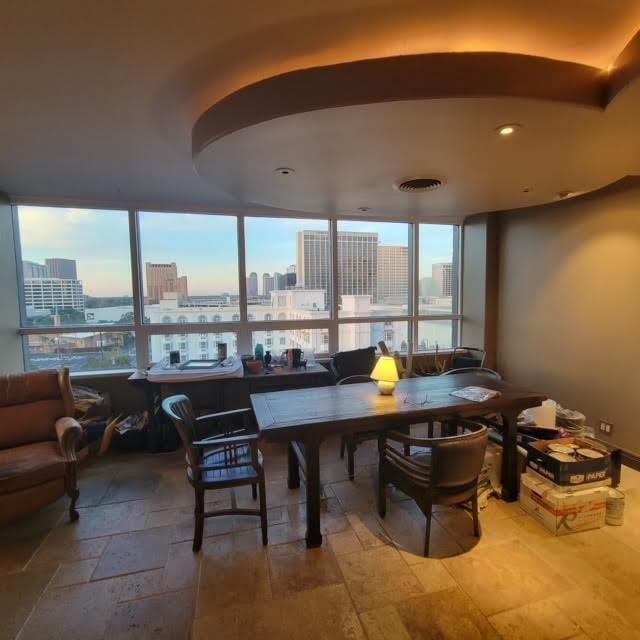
x,y
189,267
373,268
86,306
76,267
288,268
438,269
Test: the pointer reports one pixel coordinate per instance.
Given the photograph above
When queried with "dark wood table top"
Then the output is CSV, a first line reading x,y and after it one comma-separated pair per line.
x,y
298,412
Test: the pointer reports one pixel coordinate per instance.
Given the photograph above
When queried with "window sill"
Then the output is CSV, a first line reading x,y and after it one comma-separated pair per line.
x,y
118,373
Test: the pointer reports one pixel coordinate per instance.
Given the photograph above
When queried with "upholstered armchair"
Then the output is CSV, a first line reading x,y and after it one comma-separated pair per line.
x,y
38,437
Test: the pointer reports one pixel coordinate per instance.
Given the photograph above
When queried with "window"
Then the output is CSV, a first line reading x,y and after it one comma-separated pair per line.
x,y
181,271
291,257
309,340
193,346
81,351
76,267
367,334
442,334
373,269
438,269
79,295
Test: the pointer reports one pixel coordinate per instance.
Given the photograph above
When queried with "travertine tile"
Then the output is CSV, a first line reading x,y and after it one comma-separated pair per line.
x,y
542,620
369,529
344,542
505,576
166,616
598,620
80,611
106,520
356,495
19,593
59,547
377,577
432,575
324,613
132,552
302,570
182,567
384,624
131,485
444,615
74,573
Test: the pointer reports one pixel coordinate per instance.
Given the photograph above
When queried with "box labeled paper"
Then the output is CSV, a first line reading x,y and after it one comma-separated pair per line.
x,y
563,512
568,473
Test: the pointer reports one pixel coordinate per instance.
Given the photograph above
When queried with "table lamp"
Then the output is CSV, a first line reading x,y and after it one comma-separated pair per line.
x,y
386,373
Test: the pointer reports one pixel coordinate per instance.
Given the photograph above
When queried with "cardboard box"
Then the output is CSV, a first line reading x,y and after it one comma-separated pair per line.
x,y
563,512
569,473
568,488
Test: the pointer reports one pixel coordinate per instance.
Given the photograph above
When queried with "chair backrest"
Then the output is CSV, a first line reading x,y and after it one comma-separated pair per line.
x,y
354,380
456,461
490,373
464,357
180,411
30,404
354,363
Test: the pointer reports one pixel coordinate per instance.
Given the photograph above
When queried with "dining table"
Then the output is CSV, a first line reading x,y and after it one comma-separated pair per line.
x,y
304,418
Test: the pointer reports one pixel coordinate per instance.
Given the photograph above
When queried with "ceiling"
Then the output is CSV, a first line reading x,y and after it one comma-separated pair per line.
x,y
100,100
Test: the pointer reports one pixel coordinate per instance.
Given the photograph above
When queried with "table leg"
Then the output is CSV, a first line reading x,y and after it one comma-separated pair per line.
x,y
510,457
312,463
293,481
616,467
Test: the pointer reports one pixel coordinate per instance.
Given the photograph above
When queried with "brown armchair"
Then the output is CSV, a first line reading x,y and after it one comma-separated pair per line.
x,y
38,437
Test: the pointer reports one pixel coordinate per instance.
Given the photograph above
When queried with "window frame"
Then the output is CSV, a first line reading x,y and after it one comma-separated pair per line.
x,y
243,328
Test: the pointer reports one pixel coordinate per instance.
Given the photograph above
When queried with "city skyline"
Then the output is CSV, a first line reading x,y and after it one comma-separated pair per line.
x,y
100,245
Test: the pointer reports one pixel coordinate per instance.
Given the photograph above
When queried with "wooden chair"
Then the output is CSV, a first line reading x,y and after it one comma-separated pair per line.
x,y
444,471
228,458
490,373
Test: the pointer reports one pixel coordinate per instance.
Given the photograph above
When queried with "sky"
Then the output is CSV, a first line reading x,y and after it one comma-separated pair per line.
x,y
203,246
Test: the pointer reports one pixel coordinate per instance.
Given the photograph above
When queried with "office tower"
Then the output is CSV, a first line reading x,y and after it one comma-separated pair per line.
x,y
442,274
267,284
252,284
53,294
33,269
163,278
291,268
393,273
61,268
357,262
277,278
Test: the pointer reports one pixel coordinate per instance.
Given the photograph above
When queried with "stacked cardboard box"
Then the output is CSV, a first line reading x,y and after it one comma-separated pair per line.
x,y
565,496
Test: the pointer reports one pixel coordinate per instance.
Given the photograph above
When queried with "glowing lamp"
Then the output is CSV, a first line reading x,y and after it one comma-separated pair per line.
x,y
386,374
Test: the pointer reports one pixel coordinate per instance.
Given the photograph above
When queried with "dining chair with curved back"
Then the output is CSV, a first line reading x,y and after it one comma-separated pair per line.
x,y
490,373
442,471
228,457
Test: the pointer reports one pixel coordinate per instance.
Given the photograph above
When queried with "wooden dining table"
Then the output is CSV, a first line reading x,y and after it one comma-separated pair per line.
x,y
306,417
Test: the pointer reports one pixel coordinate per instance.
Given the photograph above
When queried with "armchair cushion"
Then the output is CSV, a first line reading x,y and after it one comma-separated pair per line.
x,y
30,465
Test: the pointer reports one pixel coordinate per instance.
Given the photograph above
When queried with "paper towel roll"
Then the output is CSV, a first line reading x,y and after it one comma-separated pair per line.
x,y
545,414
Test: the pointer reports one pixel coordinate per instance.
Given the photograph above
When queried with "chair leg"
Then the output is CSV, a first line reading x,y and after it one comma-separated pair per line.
x,y
263,511
199,520
382,491
343,444
73,492
427,534
351,456
477,529
254,491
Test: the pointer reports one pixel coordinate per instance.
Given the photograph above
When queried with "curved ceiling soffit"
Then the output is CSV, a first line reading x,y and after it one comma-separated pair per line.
x,y
415,77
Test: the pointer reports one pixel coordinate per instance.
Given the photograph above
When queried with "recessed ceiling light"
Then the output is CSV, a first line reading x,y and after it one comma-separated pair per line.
x,y
285,171
364,209
506,130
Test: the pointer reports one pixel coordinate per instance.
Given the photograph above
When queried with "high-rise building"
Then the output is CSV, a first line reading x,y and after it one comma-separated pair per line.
x,y
54,294
393,273
357,262
442,274
291,268
163,278
252,285
33,270
62,268
268,284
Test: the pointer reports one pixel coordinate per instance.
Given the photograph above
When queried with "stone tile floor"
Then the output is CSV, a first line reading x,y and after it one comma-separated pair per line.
x,y
126,570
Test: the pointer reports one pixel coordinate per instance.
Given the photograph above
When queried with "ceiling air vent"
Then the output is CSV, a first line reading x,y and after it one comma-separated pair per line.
x,y
418,185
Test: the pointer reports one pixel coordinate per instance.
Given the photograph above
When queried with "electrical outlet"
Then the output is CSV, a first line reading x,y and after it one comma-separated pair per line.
x,y
606,427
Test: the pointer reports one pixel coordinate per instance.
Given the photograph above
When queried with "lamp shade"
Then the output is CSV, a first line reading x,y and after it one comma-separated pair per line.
x,y
385,370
